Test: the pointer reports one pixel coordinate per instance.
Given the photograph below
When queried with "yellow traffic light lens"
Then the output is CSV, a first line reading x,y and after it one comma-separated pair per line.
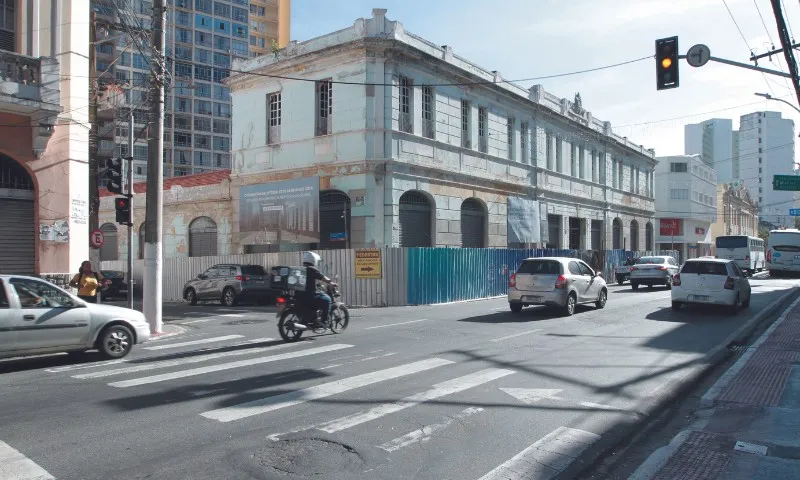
x,y
666,63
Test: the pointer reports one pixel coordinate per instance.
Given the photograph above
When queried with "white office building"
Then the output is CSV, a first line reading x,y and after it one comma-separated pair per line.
x,y
685,199
716,141
766,149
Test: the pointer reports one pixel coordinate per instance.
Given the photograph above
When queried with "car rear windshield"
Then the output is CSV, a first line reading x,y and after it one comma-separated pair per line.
x,y
253,270
784,242
705,268
650,260
540,267
732,242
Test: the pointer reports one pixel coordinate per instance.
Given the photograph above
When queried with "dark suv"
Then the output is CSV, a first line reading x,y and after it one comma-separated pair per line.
x,y
230,283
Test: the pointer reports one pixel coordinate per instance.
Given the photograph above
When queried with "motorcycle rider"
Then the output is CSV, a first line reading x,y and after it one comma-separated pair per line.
x,y
318,298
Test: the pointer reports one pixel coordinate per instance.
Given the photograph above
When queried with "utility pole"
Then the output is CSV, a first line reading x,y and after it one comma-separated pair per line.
x,y
786,43
94,196
131,141
153,251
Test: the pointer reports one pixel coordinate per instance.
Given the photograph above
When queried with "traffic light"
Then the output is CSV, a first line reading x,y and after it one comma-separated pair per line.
x,y
114,175
667,63
123,208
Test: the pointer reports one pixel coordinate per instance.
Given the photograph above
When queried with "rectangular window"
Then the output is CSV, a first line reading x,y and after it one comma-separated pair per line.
x,y
202,107
510,138
183,18
222,126
221,26
324,106
679,194
222,60
202,90
182,139
406,112
483,130
202,141
239,47
614,176
183,53
559,155
573,160
222,43
222,10
466,113
595,168
581,163
203,39
203,5
222,92
202,159
202,73
428,111
202,124
222,110
548,148
274,119
678,167
202,22
523,141
183,70
222,144
239,30
220,75
240,14
637,190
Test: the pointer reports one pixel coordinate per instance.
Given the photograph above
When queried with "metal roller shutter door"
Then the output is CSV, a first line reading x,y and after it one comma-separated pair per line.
x,y
472,229
332,206
17,249
415,226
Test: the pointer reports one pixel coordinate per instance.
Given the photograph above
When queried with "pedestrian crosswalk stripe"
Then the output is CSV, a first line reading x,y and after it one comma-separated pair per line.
x,y
439,390
176,362
16,466
425,433
276,402
226,366
193,342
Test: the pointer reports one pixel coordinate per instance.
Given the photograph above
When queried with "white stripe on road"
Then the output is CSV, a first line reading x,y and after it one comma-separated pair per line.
x,y
198,321
234,315
82,366
194,342
296,397
425,433
395,324
183,361
517,335
16,466
439,390
546,458
226,366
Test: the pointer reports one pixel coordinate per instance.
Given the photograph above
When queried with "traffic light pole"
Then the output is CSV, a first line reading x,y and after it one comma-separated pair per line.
x,y
745,65
131,141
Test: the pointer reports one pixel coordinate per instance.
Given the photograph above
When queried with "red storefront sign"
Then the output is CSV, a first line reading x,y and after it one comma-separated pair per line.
x,y
671,227
699,231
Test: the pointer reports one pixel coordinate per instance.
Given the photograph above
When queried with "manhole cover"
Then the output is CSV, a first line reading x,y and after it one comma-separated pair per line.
x,y
245,322
309,456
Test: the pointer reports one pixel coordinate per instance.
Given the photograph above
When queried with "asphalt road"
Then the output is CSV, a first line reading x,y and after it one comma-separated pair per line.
x,y
439,392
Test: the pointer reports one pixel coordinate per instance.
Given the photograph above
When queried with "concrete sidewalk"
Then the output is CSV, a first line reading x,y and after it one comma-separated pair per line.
x,y
751,427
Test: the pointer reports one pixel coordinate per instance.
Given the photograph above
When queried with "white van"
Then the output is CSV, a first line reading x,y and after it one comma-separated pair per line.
x,y
783,252
747,252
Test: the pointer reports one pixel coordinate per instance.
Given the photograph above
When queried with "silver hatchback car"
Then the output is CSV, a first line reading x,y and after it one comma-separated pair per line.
x,y
556,282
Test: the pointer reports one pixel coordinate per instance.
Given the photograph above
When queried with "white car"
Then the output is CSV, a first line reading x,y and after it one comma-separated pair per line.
x,y
710,281
37,317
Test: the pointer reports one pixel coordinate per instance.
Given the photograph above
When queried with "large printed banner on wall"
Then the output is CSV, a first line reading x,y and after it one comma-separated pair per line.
x,y
524,226
279,213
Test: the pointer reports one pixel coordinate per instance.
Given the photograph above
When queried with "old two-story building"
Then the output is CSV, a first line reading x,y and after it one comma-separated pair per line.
x,y
737,211
372,136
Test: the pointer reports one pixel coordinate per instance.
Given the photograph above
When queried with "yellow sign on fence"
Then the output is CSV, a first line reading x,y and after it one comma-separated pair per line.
x,y
368,263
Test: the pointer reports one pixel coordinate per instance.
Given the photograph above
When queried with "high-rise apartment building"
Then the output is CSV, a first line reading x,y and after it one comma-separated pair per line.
x,y
766,149
203,39
269,26
714,140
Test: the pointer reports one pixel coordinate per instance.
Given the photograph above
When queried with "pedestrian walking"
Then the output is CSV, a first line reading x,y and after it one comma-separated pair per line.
x,y
88,282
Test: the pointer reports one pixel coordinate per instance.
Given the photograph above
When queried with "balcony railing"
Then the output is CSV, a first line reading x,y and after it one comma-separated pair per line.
x,y
21,69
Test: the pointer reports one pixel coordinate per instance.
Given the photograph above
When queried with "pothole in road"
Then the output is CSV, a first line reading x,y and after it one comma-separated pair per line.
x,y
309,456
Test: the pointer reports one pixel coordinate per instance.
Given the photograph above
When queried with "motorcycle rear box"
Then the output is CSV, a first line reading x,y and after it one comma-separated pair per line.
x,y
289,278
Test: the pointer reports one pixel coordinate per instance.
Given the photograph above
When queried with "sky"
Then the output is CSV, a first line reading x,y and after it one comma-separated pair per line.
x,y
533,38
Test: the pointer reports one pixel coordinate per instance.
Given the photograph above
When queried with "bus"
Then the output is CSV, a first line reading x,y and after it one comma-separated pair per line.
x,y
747,252
783,251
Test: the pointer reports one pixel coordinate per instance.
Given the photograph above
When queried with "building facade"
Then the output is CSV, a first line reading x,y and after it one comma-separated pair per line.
x,y
766,149
737,213
686,204
714,139
203,37
420,147
44,136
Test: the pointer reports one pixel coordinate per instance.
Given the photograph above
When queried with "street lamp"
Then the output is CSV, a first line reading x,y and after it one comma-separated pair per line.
x,y
770,97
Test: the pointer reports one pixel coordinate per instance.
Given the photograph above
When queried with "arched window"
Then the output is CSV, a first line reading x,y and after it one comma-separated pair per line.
x,y
616,234
110,248
634,235
334,220
415,220
202,237
648,236
473,224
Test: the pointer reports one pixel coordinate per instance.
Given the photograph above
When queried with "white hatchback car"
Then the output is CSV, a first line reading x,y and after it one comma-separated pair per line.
x,y
710,281
37,317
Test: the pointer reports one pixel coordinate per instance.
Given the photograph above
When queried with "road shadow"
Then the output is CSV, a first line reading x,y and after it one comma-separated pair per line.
x,y
528,314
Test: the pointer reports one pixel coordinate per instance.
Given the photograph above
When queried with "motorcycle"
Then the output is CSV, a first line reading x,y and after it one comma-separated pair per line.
x,y
295,317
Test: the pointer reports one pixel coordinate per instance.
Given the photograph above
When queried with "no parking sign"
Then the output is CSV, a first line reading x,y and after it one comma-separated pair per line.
x,y
96,238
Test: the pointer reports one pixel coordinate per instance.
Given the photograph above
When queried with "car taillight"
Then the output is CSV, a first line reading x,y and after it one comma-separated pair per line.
x,y
729,283
631,269
242,277
512,282
662,267
280,300
561,282
676,280
747,258
769,256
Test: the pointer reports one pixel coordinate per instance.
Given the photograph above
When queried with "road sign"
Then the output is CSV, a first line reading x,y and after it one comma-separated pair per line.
x,y
794,212
787,183
96,238
368,263
698,55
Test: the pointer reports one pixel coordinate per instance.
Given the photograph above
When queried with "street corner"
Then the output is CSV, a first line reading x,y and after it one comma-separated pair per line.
x,y
169,330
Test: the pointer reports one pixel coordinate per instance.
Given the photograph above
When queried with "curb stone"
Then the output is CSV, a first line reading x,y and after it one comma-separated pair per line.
x,y
179,330
650,407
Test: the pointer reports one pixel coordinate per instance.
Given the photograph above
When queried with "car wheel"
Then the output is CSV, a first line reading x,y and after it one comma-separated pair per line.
x,y
601,300
115,341
746,303
515,307
620,280
669,283
229,297
572,302
734,309
676,305
634,286
190,297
